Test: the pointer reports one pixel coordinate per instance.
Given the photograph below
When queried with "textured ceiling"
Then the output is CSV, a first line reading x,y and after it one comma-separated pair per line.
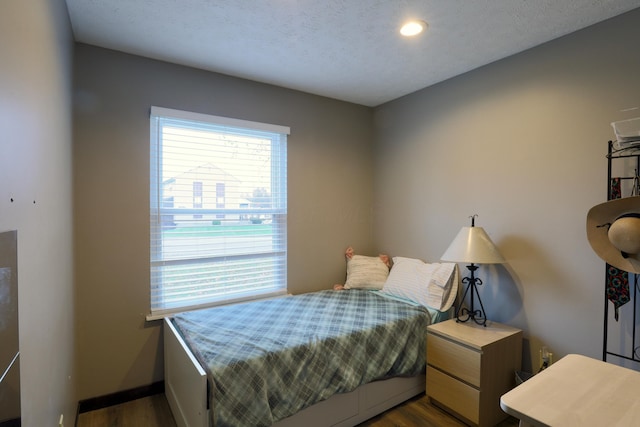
x,y
344,49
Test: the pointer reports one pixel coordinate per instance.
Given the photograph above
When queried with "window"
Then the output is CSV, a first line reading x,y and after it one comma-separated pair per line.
x,y
218,210
197,197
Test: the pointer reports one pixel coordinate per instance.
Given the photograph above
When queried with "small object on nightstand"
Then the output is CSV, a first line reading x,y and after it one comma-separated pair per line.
x,y
470,366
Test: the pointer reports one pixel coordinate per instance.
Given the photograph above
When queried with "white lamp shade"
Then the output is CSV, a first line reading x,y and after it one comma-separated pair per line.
x,y
473,245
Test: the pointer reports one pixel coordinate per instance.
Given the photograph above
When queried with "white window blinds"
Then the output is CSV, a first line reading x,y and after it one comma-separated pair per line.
x,y
218,210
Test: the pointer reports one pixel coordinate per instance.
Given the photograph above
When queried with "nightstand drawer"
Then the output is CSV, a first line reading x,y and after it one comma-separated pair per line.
x,y
457,360
455,395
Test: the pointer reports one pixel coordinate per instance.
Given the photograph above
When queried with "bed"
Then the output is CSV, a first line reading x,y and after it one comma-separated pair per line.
x,y
323,358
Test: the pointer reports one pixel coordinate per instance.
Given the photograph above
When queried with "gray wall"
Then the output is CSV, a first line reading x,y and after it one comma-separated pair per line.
x,y
521,143
36,199
329,180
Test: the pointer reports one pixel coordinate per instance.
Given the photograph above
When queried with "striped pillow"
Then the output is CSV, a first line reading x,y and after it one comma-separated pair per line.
x,y
427,284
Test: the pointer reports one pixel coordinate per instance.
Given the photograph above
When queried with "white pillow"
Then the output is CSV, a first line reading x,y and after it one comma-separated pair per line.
x,y
431,285
365,272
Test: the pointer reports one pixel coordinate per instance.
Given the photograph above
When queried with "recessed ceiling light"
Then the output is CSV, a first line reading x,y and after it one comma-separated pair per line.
x,y
413,28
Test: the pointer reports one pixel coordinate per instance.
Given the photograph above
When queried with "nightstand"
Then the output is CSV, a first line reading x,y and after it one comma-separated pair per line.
x,y
470,366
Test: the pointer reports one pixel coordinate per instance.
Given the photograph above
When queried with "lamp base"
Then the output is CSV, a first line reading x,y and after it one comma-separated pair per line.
x,y
464,314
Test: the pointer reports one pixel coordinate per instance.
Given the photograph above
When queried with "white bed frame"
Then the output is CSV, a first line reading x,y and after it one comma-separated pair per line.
x,y
186,391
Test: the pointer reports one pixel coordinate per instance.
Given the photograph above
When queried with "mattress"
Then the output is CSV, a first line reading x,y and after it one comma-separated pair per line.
x,y
269,359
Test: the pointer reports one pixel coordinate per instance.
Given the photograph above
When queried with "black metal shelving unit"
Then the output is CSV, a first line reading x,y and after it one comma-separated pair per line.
x,y
612,155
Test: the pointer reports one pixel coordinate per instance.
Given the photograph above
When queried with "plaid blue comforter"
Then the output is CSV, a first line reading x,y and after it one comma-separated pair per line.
x,y
267,360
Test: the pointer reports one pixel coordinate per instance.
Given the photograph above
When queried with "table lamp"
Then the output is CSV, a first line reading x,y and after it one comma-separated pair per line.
x,y
472,245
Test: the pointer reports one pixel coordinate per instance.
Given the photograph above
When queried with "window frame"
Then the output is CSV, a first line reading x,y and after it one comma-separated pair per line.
x,y
159,116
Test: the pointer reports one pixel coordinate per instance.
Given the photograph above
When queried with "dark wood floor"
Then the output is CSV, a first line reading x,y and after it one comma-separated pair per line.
x,y
154,411
420,412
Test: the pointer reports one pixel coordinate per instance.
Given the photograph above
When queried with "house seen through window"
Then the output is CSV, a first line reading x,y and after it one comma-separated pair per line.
x,y
218,210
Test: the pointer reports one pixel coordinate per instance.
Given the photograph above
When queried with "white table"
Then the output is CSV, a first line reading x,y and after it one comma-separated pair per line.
x,y
577,391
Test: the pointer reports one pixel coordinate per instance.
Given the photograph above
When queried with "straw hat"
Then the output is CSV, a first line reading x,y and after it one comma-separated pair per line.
x,y
613,230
